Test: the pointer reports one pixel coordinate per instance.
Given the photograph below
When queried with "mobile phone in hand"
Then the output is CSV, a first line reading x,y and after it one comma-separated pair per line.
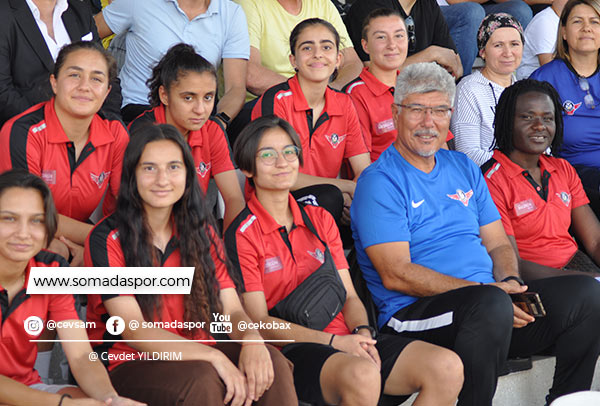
x,y
529,302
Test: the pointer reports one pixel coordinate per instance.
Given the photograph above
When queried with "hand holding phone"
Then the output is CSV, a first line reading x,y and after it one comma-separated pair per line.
x,y
529,302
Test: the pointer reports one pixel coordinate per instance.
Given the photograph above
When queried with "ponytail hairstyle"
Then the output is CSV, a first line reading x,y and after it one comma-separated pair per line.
x,y
176,63
191,219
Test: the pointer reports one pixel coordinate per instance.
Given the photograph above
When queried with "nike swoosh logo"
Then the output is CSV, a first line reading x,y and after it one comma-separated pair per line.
x,y
417,204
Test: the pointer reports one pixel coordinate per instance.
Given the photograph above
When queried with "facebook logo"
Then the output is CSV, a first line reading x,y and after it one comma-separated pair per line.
x,y
115,325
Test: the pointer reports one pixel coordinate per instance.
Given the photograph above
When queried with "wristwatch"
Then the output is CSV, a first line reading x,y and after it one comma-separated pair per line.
x,y
514,278
224,118
371,330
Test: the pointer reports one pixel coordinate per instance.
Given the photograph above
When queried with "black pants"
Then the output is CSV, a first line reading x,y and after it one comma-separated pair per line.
x,y
476,322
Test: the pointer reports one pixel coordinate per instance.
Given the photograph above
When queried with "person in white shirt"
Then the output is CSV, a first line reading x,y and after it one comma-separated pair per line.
x,y
540,39
500,43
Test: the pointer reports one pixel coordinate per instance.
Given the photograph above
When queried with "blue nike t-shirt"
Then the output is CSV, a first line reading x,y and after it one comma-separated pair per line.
x,y
439,214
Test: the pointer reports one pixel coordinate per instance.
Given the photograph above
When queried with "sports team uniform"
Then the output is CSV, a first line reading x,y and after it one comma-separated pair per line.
x,y
440,214
373,102
394,201
103,249
581,144
210,147
17,353
35,141
336,135
268,259
538,216
273,261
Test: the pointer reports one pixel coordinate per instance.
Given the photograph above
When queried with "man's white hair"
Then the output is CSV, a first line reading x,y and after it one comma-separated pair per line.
x,y
421,78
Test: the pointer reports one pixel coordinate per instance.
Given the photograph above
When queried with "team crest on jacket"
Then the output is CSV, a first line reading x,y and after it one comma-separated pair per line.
x,y
335,140
318,255
203,169
570,107
461,196
99,179
565,197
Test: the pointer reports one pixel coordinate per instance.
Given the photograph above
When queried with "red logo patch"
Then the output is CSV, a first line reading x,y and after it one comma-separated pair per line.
x,y
565,197
462,197
99,179
203,169
335,140
318,255
570,107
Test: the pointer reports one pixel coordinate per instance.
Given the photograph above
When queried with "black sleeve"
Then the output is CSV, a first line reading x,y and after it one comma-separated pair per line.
x,y
12,101
354,20
441,32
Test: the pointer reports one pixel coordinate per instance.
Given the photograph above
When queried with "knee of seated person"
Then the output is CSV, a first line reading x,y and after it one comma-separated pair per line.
x,y
447,371
202,378
440,371
472,13
360,380
329,196
282,367
582,289
490,303
519,10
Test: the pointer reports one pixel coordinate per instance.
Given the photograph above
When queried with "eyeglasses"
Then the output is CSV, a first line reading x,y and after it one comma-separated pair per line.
x,y
588,99
269,156
412,38
417,111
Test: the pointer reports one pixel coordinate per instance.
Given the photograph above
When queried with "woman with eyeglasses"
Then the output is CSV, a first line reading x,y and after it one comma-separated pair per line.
x,y
500,43
28,221
290,262
161,220
325,119
575,75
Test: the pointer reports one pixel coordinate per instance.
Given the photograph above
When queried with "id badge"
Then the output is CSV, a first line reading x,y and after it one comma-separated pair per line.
x,y
524,207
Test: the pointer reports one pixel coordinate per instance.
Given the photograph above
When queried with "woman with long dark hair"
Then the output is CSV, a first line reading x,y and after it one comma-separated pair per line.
x,y
161,220
183,88
69,145
575,75
290,262
28,221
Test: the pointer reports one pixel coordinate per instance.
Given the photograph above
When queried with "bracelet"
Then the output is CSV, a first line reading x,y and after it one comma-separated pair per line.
x,y
514,278
64,395
364,326
331,340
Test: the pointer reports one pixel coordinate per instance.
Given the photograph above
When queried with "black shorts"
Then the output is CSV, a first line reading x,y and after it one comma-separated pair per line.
x,y
309,358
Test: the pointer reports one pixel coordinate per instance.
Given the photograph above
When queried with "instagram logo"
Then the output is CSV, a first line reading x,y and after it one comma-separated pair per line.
x,y
33,325
115,325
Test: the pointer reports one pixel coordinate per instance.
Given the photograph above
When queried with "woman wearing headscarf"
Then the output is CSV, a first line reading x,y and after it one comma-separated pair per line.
x,y
500,43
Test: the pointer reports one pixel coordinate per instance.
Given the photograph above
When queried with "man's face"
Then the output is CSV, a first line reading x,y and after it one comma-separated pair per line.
x,y
422,125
